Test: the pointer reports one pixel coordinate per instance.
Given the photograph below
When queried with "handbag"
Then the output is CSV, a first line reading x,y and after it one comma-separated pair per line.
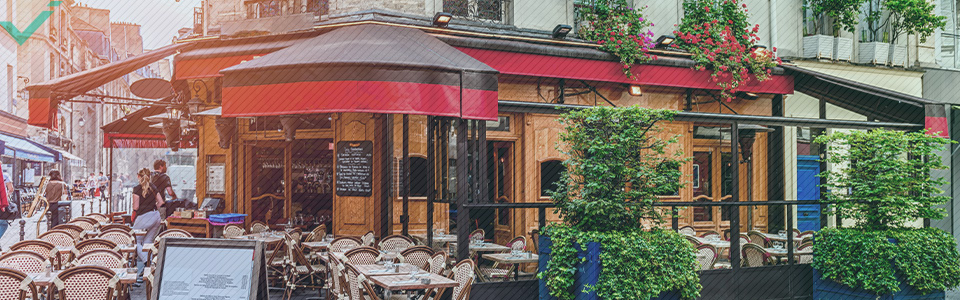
x,y
11,212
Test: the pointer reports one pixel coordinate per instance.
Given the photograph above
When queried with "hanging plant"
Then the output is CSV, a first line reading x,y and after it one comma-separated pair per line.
x,y
720,39
619,29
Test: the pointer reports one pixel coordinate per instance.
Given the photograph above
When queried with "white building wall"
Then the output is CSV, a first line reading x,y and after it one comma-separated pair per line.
x,y
8,58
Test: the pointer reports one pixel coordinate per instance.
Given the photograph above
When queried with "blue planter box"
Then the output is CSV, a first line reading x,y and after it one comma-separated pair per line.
x,y
827,289
588,272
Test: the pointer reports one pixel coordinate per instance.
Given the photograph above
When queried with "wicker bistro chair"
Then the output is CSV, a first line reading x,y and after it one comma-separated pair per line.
x,y
299,271
258,227
693,240
755,256
74,230
419,256
710,234
687,230
174,233
296,233
86,223
24,261
395,243
478,234
233,231
462,273
335,285
518,243
101,257
367,239
352,278
86,283
707,256
90,245
109,227
438,263
806,258
363,256
758,238
118,237
806,234
317,234
44,248
16,285
62,239
344,244
100,218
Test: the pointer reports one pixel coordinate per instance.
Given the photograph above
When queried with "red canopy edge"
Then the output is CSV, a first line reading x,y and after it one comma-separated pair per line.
x,y
45,95
142,141
537,65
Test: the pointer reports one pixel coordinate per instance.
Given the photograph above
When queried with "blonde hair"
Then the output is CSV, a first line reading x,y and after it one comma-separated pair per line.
x,y
144,177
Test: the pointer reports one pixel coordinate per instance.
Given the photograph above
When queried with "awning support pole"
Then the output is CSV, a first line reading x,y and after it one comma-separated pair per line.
x,y
463,213
735,197
431,176
405,216
110,199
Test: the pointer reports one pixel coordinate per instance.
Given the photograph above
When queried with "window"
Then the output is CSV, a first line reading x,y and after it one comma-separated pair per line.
x,y
702,187
11,88
420,186
479,10
550,172
319,7
263,9
53,66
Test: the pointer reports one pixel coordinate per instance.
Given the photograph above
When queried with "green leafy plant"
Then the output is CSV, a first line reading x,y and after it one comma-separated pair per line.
x,y
882,180
619,29
913,17
873,17
886,180
926,257
618,163
720,38
845,14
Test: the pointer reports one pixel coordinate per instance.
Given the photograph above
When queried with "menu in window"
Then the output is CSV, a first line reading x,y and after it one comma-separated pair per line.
x,y
206,273
354,173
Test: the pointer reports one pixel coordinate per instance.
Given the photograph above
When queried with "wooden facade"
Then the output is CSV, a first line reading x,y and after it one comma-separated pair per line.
x,y
521,148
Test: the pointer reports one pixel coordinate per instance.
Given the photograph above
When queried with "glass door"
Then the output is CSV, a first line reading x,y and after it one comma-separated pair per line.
x,y
712,182
267,185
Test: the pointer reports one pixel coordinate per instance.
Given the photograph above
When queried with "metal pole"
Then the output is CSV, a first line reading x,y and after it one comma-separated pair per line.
x,y
790,258
735,197
463,213
110,202
405,215
431,176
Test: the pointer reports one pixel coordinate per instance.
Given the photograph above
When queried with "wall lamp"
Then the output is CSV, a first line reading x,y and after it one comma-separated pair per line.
x,y
561,31
442,19
665,40
747,95
758,49
635,90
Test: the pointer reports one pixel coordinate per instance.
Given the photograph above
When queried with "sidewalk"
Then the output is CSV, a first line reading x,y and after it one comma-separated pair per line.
x,y
12,235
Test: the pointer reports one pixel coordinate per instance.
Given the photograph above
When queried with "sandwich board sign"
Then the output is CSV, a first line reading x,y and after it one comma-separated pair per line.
x,y
202,269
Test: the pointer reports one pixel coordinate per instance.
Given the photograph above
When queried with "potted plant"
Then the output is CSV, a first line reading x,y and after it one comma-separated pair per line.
x,y
883,182
720,38
874,48
844,16
612,244
619,29
910,17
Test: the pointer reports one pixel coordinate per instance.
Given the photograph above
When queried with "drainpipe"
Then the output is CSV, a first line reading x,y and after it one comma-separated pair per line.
x,y
773,24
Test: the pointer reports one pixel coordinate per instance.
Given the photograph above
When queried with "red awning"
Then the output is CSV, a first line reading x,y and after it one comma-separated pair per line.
x,y
132,131
363,68
539,65
207,58
44,95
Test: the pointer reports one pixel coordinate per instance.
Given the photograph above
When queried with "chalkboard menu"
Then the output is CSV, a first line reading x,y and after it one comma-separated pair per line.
x,y
354,168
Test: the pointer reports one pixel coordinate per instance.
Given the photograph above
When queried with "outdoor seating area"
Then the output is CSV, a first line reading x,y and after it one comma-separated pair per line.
x,y
757,248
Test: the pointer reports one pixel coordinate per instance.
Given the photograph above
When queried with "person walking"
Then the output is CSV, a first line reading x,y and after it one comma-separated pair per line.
x,y
102,182
91,185
146,202
56,191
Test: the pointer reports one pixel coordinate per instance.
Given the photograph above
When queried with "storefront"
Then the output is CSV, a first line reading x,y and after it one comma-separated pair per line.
x,y
26,160
288,122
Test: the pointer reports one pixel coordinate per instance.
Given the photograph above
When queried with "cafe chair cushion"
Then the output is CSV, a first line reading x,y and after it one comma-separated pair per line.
x,y
24,261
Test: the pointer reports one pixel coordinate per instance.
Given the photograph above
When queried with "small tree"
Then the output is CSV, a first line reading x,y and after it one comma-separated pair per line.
x,y
886,181
843,12
913,17
617,167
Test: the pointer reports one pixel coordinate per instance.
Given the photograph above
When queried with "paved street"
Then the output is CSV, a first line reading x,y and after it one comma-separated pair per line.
x,y
12,235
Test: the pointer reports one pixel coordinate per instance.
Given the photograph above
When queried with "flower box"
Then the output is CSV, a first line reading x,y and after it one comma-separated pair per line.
x,y
588,272
898,55
842,49
873,53
818,46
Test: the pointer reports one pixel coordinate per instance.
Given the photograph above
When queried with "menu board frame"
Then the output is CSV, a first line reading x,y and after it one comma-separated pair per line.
x,y
366,151
258,276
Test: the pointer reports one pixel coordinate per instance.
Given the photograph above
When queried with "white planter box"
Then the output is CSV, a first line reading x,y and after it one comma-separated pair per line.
x,y
843,49
818,46
898,55
873,53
